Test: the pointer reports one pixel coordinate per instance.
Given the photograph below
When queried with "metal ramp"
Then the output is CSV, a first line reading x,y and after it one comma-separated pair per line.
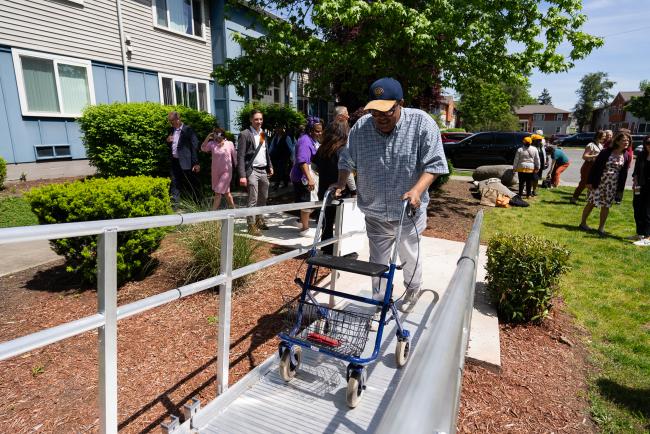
x,y
314,401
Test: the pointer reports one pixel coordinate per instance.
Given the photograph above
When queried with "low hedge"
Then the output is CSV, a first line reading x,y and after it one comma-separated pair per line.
x,y
102,199
275,116
129,139
523,272
3,173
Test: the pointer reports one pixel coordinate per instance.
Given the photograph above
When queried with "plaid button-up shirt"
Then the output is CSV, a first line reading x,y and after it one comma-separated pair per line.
x,y
389,165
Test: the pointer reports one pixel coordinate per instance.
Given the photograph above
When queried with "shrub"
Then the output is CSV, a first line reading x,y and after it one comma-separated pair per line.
x,y
454,130
274,116
100,199
522,273
3,172
203,240
128,139
443,179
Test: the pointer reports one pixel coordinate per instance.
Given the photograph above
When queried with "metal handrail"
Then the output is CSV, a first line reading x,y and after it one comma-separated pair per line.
x,y
428,395
105,320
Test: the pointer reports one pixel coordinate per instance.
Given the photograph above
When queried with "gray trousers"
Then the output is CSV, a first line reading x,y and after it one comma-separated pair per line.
x,y
381,237
258,189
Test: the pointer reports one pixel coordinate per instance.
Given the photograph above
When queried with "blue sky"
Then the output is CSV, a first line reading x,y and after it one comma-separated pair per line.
x,y
625,56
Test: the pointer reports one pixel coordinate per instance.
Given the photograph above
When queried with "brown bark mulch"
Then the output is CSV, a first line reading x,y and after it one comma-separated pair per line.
x,y
167,355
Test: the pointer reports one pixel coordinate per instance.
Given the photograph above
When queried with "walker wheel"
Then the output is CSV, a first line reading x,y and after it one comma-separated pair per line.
x,y
288,369
355,389
402,351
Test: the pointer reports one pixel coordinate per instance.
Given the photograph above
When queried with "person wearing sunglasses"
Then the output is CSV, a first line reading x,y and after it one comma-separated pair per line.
x,y
397,153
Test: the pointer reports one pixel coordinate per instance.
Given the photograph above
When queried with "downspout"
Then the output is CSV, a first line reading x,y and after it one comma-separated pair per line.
x,y
123,48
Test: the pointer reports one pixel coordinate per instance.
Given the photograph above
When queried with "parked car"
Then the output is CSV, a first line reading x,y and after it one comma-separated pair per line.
x,y
484,149
453,137
580,140
558,137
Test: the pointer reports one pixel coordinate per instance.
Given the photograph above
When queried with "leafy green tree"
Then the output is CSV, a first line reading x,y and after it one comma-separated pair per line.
x,y
594,89
518,91
485,107
639,106
346,44
544,98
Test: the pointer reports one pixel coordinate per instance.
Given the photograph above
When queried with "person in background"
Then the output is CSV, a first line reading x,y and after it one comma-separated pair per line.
x,y
589,156
280,152
607,180
341,114
641,200
302,177
540,144
560,164
255,168
183,152
224,157
326,162
608,138
526,164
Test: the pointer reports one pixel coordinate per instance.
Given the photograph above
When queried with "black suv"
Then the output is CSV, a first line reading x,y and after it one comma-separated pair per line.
x,y
485,149
579,140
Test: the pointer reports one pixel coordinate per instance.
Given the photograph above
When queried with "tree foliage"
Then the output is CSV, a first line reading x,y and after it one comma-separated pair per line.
x,y
639,106
486,107
347,44
594,90
544,98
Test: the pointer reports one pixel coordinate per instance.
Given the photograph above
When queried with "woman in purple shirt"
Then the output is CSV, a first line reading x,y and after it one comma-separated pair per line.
x,y
301,174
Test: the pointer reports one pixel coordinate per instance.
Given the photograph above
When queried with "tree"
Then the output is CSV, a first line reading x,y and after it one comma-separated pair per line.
x,y
347,44
485,107
594,89
544,98
639,106
518,91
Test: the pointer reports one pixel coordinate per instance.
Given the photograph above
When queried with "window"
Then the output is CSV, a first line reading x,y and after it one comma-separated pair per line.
x,y
559,117
272,95
179,16
538,116
50,152
644,128
50,85
557,130
185,91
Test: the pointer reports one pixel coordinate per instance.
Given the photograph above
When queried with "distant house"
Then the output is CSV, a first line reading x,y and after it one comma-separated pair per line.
x,y
551,120
614,116
56,57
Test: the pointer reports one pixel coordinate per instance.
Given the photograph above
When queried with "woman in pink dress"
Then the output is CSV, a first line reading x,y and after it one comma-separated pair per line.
x,y
224,157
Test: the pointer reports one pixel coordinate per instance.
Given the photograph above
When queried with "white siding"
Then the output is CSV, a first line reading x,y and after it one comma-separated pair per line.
x,y
163,51
89,31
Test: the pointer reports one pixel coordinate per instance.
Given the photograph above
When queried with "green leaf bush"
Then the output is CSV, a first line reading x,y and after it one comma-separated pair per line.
x,y
128,139
102,199
523,272
3,173
275,116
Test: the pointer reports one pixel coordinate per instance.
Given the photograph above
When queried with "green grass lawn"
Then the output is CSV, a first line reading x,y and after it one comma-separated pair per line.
x,y
15,211
608,291
463,172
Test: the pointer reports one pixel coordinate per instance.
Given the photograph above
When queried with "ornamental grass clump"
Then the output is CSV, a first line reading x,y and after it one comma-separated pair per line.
x,y
523,272
3,172
203,241
104,199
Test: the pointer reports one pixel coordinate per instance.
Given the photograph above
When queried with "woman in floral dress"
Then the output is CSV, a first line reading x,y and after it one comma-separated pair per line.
x,y
607,180
223,157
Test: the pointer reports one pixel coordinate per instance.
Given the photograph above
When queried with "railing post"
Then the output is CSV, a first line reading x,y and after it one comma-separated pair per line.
x,y
107,339
225,296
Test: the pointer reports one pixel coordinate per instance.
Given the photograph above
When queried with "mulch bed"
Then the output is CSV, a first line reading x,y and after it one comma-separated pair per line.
x,y
167,355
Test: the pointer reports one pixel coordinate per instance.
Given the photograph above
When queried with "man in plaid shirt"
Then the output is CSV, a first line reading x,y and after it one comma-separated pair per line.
x,y
397,153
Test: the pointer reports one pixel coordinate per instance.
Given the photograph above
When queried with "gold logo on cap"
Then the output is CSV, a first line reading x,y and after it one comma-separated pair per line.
x,y
379,91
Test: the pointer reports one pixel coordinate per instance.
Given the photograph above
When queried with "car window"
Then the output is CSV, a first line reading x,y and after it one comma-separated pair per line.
x,y
482,139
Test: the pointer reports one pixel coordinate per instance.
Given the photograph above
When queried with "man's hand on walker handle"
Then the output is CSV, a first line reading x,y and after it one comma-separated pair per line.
x,y
413,197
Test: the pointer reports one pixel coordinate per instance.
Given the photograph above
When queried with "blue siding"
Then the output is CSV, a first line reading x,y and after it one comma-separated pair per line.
x,y
143,86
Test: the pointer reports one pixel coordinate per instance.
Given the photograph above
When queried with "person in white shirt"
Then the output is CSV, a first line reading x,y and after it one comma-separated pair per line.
x,y
255,168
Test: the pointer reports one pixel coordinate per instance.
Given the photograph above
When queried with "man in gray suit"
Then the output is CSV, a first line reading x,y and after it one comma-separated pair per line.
x,y
183,147
255,168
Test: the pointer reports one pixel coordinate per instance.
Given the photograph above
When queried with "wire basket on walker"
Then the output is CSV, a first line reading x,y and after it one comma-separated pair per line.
x,y
341,333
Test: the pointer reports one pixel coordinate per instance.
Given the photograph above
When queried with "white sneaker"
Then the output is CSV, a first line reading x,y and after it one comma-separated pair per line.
x,y
373,325
644,242
410,300
306,233
635,237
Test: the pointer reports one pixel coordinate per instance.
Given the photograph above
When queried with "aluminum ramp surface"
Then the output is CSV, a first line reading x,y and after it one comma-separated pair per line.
x,y
314,401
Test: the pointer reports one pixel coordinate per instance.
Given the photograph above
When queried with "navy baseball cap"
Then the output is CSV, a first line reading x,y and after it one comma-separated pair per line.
x,y
384,93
